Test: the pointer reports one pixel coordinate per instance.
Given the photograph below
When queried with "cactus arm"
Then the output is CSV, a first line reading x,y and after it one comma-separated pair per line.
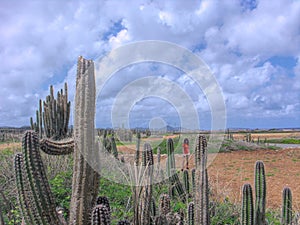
x,y
52,147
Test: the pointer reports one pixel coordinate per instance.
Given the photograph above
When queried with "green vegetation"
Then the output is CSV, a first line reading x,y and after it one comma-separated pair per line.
x,y
284,141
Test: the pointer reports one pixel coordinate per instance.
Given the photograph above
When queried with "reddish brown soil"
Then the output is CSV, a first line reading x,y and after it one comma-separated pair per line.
x,y
229,171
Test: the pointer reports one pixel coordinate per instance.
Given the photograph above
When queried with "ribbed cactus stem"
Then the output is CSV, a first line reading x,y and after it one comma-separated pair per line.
x,y
171,168
287,213
85,182
52,147
148,163
28,208
186,181
158,157
137,152
38,187
100,215
247,216
260,193
191,214
193,180
201,198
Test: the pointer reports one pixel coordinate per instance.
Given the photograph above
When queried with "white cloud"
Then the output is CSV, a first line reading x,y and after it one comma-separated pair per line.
x,y
40,43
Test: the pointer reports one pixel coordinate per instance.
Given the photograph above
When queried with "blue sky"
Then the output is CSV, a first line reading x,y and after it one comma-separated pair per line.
x,y
251,47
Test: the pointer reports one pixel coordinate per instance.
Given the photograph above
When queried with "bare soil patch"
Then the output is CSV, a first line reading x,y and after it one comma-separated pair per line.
x,y
229,171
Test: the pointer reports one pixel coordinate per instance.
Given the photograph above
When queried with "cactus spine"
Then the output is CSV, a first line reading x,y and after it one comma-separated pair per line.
x,y
247,206
260,193
286,214
201,198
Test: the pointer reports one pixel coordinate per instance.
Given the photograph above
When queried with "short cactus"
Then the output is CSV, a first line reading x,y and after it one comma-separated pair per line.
x,y
103,200
165,204
287,213
247,206
260,193
100,215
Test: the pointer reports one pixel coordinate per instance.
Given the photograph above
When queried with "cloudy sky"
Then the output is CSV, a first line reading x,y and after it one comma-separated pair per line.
x,y
251,47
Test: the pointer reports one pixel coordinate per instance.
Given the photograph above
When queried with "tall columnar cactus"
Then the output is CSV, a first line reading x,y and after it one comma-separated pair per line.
x,y
35,197
247,217
148,163
100,215
191,213
287,213
201,198
260,194
85,182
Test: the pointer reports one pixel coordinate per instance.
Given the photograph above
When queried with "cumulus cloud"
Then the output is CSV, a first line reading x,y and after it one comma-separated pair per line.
x,y
40,43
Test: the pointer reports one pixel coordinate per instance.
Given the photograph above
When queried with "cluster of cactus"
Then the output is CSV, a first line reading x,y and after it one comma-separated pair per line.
x,y
53,115
38,204
251,214
35,197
